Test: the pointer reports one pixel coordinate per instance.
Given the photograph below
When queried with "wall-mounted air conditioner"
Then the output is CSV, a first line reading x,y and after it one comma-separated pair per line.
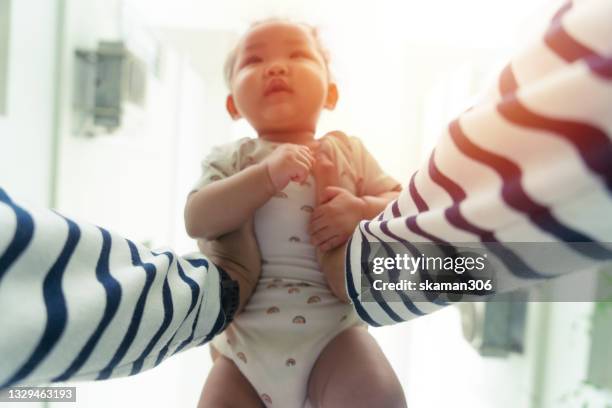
x,y
106,79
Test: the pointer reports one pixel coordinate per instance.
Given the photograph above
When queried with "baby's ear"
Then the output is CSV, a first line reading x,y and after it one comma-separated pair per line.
x,y
231,108
332,96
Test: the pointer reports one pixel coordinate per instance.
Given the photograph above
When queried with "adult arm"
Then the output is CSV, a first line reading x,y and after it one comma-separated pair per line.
x,y
82,303
530,163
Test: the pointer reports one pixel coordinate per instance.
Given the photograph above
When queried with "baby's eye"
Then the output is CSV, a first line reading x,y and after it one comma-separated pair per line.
x,y
253,59
300,54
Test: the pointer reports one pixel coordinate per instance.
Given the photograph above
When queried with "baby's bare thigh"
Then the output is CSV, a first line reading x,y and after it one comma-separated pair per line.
x,y
352,371
226,387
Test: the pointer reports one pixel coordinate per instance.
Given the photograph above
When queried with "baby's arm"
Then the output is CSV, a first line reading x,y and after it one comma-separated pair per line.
x,y
225,205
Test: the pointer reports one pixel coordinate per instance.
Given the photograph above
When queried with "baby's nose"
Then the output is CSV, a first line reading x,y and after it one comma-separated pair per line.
x,y
276,68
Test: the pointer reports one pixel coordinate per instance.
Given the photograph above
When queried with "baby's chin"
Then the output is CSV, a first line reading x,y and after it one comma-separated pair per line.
x,y
280,113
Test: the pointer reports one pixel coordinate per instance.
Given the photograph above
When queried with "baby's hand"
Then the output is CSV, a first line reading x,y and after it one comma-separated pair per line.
x,y
289,162
335,219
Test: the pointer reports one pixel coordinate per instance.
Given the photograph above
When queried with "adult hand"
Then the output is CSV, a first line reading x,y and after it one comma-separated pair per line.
x,y
335,219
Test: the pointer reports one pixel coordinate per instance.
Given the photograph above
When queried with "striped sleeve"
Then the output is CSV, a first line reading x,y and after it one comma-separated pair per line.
x,y
533,163
81,303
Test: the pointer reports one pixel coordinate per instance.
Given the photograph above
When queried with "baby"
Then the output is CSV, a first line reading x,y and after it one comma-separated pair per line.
x,y
274,205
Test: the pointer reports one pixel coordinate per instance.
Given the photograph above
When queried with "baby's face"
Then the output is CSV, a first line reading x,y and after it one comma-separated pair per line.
x,y
280,80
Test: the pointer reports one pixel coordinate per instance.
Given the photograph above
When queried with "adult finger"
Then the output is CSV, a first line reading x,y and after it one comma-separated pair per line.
x,y
322,236
331,243
317,225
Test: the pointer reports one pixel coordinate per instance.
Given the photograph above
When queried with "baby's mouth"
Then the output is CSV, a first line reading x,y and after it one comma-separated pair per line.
x,y
276,85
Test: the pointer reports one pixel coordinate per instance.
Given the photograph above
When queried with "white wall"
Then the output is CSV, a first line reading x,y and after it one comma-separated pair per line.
x,y
202,120
568,334
135,181
27,127
442,369
26,131
120,180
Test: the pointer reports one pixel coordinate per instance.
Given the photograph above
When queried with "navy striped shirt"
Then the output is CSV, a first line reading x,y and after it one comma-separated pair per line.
x,y
80,302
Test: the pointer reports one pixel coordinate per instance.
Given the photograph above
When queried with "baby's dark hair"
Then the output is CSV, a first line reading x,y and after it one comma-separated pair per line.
x,y
230,61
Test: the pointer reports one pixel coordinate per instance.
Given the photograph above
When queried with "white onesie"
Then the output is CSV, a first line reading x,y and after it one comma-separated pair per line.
x,y
292,314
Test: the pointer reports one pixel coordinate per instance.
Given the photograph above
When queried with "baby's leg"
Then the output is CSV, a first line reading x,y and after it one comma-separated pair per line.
x,y
226,387
352,371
